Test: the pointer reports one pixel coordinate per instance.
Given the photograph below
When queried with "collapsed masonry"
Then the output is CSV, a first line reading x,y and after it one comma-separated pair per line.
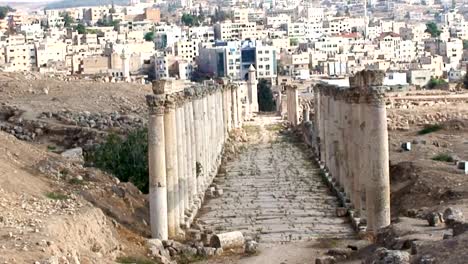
x,y
187,129
348,134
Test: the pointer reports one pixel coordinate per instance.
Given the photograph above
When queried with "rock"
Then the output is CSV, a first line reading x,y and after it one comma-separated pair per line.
x,y
341,211
325,260
251,247
189,251
451,215
385,256
156,247
459,227
75,153
207,251
434,219
219,252
340,253
427,259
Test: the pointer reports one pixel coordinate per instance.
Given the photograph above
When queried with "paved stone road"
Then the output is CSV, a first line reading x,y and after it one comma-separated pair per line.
x,y
273,192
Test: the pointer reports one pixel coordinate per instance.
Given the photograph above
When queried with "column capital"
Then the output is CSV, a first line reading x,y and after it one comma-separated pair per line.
x,y
170,103
156,104
290,87
180,98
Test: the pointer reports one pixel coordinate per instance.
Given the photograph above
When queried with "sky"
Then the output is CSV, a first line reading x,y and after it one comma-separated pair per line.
x,y
26,1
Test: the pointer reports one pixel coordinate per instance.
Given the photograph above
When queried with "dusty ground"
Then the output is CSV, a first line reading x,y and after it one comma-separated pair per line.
x,y
27,91
418,181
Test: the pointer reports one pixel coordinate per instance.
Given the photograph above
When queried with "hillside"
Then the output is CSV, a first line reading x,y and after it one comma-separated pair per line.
x,y
73,3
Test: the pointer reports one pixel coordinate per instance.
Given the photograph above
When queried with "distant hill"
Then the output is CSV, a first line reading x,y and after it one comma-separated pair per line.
x,y
74,3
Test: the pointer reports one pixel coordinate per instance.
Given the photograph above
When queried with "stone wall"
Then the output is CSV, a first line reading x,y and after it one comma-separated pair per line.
x,y
187,129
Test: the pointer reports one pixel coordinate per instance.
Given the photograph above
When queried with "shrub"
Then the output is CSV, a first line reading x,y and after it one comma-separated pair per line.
x,y
436,83
443,157
265,96
126,158
429,129
56,196
135,260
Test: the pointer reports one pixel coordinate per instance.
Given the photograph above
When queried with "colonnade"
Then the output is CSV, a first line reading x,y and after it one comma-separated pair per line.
x,y
351,141
186,133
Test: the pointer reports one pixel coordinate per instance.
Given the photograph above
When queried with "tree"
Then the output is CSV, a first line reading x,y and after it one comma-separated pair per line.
x,y
220,15
293,41
126,158
432,29
67,19
265,96
189,20
4,10
149,36
81,29
465,44
465,81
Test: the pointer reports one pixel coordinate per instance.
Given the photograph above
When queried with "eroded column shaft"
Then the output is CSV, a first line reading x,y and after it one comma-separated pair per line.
x,y
171,168
157,173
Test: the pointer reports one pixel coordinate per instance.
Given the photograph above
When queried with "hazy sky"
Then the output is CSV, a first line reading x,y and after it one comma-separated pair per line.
x,y
23,1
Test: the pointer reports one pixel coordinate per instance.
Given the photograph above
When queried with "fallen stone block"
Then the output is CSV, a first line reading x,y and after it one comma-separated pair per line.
x,y
228,240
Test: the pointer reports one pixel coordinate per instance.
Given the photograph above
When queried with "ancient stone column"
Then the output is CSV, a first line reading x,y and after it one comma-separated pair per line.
x,y
306,114
323,126
157,167
198,143
331,137
181,157
378,181
228,92
340,157
356,153
240,117
191,152
171,166
235,111
317,121
205,150
293,105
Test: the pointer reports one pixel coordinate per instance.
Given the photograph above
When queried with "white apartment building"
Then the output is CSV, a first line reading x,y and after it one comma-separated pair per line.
x,y
187,49
161,66
332,45
50,52
20,57
204,33
336,26
277,21
240,15
452,50
167,35
313,14
235,31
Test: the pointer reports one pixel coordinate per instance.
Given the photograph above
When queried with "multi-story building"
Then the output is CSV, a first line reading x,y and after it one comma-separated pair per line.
x,y
187,49
228,31
233,59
